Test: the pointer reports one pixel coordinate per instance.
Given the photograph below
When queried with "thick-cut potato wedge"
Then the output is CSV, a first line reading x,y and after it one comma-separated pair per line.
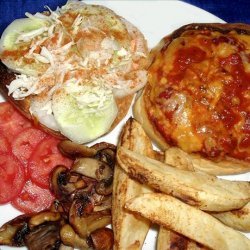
x,y
189,221
178,158
169,240
129,230
238,219
202,190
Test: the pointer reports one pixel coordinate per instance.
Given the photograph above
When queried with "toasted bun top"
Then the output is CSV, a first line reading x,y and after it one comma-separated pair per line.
x,y
197,96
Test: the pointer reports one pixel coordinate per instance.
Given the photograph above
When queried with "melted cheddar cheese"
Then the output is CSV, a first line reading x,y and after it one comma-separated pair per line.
x,y
198,96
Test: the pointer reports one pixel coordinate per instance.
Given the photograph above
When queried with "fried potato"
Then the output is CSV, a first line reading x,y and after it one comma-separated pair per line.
x,y
129,230
238,219
169,240
187,220
178,158
202,190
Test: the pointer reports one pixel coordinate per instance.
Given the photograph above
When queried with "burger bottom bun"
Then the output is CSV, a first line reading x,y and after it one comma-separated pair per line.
x,y
177,157
23,106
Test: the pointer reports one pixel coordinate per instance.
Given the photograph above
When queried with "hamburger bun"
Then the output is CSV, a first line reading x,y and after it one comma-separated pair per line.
x,y
73,71
196,100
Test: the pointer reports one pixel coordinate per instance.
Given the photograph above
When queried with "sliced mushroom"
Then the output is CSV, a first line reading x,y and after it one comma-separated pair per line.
x,y
107,155
103,145
43,217
98,199
74,150
13,232
105,187
70,238
43,237
104,204
101,239
84,225
57,206
83,200
62,206
82,206
64,182
92,168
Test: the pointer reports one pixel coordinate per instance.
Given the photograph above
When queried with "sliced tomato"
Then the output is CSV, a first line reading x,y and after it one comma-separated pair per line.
x,y
33,198
46,156
25,142
11,121
4,145
12,177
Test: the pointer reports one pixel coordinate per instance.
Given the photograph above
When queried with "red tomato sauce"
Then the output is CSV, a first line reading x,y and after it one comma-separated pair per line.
x,y
218,101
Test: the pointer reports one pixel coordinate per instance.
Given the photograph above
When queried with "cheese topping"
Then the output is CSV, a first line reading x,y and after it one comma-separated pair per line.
x,y
198,93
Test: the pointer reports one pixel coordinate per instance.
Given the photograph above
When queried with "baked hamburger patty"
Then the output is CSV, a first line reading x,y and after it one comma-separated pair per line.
x,y
198,93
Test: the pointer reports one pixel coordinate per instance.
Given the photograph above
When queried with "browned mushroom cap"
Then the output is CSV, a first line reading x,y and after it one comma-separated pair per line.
x,y
13,232
101,239
74,150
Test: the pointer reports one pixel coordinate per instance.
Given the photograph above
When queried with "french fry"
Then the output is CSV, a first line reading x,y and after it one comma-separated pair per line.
x,y
129,230
238,219
187,220
199,189
169,240
178,158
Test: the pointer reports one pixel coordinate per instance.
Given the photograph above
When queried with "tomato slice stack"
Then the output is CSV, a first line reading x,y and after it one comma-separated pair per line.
x,y
27,156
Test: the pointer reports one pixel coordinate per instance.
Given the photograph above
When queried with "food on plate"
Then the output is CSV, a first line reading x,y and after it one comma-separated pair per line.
x,y
178,158
25,143
27,155
168,240
238,219
11,121
44,159
74,70
187,220
199,189
12,176
32,198
129,231
81,209
197,95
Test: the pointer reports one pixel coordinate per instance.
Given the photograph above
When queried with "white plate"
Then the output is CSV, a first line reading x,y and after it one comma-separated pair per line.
x,y
155,19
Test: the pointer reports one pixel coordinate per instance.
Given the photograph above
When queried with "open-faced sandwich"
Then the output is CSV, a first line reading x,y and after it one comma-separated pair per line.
x,y
197,99
73,70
